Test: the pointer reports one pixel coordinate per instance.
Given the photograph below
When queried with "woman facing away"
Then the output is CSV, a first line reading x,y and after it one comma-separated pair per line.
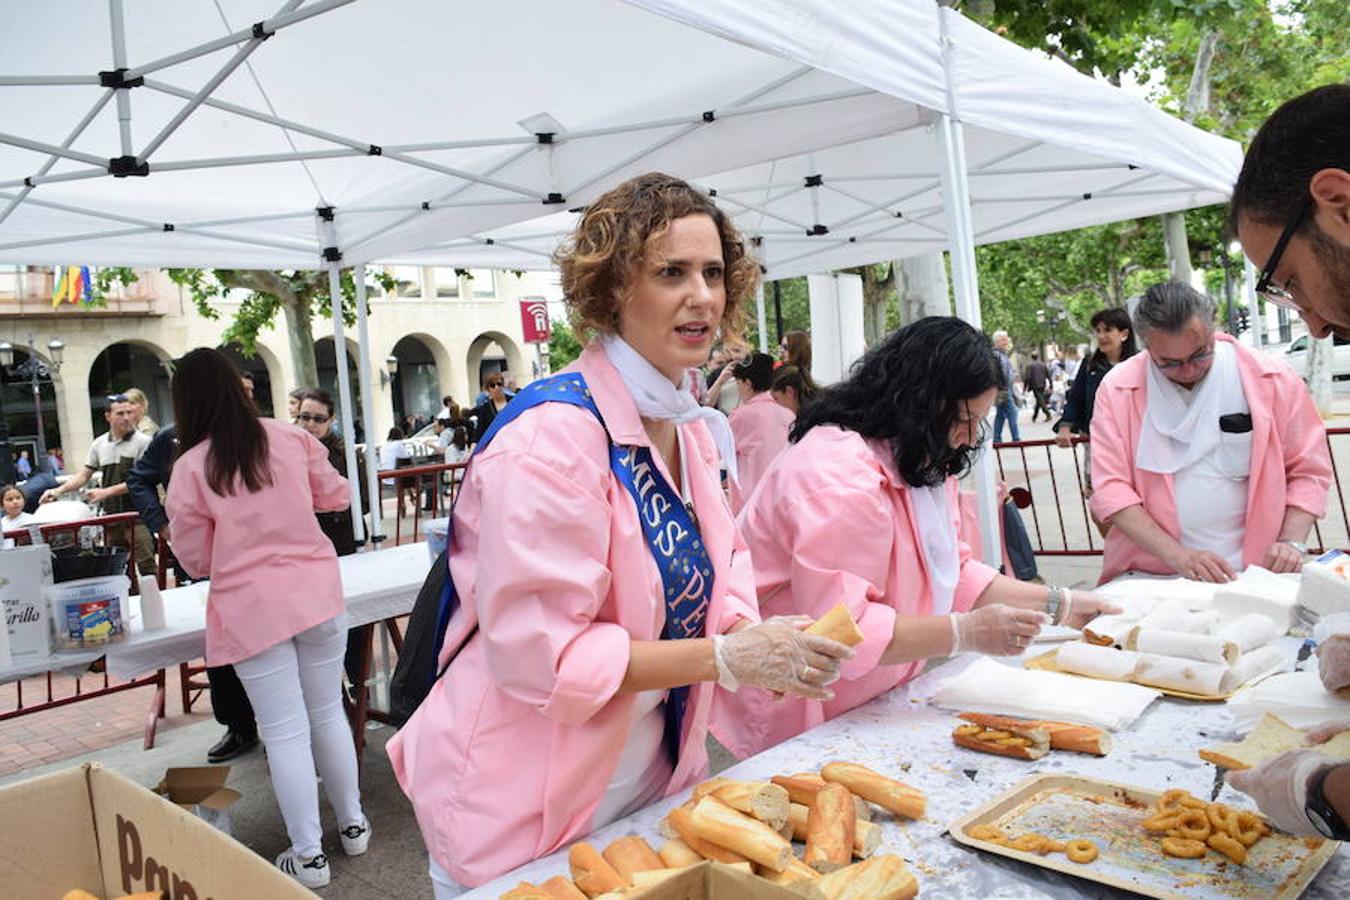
x,y
1115,344
241,508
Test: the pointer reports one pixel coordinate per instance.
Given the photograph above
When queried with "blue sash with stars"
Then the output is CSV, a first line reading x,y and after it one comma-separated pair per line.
x,y
672,534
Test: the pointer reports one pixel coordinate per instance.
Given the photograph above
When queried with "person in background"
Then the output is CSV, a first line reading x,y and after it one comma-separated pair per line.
x,y
862,509
792,388
449,409
1071,363
1208,457
23,466
55,463
12,500
795,350
1036,377
562,707
759,425
721,395
483,414
144,424
1115,344
293,403
1005,403
1291,208
243,484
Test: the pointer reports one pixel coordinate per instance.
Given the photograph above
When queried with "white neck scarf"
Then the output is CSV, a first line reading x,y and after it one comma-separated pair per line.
x,y
1176,434
938,541
658,398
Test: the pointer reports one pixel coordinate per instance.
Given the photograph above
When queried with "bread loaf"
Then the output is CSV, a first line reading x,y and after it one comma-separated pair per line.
x,y
630,854
591,873
714,821
803,786
680,822
866,835
522,891
830,828
1271,737
1063,735
765,801
676,854
1019,742
559,888
882,877
796,871
837,625
887,793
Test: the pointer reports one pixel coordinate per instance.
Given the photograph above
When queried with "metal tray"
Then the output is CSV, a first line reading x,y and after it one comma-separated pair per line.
x,y
1065,807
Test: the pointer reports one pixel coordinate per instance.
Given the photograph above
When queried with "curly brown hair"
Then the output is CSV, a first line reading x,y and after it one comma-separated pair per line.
x,y
612,238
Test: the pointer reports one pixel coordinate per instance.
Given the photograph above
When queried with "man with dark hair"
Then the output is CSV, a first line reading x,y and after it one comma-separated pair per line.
x,y
1291,208
1036,378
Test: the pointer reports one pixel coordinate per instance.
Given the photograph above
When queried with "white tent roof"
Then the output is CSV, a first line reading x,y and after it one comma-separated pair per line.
x,y
417,122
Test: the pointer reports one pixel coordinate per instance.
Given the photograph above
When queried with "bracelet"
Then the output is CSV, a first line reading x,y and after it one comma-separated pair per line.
x,y
1052,601
1064,607
956,634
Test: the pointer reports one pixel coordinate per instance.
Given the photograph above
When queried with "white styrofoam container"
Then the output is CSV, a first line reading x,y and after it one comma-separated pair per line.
x,y
25,572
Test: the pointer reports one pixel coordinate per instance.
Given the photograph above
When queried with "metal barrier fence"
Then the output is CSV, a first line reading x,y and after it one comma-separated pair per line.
x,y
1048,483
432,489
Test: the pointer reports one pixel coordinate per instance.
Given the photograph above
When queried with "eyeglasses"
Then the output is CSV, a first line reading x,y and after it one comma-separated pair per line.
x,y
307,417
118,398
496,384
1197,357
1281,296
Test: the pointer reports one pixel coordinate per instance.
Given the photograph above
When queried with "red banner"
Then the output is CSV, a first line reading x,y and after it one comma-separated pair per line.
x,y
534,320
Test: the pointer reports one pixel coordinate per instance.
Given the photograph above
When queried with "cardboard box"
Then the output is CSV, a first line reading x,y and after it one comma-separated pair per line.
x,y
712,881
90,828
25,572
201,791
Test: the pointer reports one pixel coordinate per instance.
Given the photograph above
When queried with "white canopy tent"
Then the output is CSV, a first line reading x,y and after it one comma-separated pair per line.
x,y
233,133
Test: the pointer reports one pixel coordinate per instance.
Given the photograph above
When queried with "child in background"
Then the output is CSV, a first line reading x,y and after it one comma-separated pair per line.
x,y
14,518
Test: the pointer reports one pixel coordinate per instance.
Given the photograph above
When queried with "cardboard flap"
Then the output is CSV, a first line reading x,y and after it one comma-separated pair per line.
x,y
49,844
713,881
222,799
190,785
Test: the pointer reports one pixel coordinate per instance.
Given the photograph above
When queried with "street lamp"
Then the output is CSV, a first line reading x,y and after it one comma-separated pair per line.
x,y
34,370
389,371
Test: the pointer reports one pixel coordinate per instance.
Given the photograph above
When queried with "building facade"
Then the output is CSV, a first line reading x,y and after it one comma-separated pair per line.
x,y
446,330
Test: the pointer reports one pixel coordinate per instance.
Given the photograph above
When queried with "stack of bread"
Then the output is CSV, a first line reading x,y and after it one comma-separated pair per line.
x,y
752,825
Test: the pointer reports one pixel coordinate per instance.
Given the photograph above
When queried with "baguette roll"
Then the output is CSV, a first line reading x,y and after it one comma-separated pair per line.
x,y
1063,735
525,891
866,835
795,871
714,821
1107,663
1017,746
830,829
680,820
889,794
591,872
764,800
676,854
837,625
630,854
645,879
704,788
882,877
802,789
559,888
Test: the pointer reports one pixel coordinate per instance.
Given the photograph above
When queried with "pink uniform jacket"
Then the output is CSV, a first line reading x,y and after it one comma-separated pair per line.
x,y
1291,465
832,522
760,426
509,755
273,572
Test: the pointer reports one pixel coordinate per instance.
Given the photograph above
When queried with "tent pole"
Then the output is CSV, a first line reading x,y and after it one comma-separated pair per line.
x,y
1258,323
965,281
368,408
333,258
761,318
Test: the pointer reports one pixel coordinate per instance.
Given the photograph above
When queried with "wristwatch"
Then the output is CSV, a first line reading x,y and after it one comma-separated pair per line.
x,y
1320,812
1301,547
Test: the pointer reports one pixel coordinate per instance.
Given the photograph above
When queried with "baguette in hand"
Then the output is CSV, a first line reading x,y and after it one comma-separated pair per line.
x,y
837,625
1018,742
887,793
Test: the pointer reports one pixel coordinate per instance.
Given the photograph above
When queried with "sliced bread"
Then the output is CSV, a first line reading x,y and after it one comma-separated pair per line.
x,y
1271,737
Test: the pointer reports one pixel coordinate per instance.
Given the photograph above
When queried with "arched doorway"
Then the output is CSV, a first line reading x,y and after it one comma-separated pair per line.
x,y
256,366
491,352
415,388
22,411
326,360
127,365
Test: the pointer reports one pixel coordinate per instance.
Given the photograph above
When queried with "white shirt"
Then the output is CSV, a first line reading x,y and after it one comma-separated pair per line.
x,y
22,520
1211,493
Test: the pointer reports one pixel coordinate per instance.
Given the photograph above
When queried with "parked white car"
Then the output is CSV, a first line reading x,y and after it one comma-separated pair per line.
x,y
1297,357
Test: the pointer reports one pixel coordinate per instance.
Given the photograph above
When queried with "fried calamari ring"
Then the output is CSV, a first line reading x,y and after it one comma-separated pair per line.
x,y
1183,848
1223,818
1229,847
1161,823
1170,801
1053,846
1081,850
1249,828
965,730
1193,824
1014,742
1029,843
995,735
986,832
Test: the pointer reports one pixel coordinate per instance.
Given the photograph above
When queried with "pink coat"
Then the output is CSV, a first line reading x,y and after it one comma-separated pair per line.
x,y
510,754
832,522
273,572
1291,465
760,426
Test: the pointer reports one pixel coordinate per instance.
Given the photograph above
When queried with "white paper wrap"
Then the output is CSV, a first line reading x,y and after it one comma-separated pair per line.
x,y
1249,632
1115,628
1258,662
1173,616
1080,658
1296,697
1259,591
1322,590
1203,647
1179,674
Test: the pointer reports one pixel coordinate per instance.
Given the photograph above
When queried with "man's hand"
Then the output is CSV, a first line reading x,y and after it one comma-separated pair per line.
x,y
48,495
1064,437
1202,565
1282,558
97,495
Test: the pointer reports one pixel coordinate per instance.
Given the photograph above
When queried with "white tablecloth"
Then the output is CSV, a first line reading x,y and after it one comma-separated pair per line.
x,y
900,734
378,584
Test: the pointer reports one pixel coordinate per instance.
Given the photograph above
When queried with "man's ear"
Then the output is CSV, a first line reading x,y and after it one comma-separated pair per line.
x,y
1330,190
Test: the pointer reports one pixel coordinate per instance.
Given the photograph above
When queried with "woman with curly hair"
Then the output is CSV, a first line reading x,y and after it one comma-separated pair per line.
x,y
862,509
603,590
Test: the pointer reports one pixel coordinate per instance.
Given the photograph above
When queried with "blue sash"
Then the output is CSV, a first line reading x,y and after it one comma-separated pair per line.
x,y
672,534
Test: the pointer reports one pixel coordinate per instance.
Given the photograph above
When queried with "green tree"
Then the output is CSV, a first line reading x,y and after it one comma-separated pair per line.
x,y
563,346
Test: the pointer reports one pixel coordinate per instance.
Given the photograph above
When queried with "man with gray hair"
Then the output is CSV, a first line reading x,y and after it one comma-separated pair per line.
x,y
1207,457
1005,403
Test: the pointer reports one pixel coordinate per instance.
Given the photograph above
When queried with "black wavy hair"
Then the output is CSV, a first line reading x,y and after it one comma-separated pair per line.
x,y
907,391
1118,318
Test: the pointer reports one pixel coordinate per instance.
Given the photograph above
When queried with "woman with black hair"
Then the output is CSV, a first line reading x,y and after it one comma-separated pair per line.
x,y
241,510
759,425
862,509
1115,344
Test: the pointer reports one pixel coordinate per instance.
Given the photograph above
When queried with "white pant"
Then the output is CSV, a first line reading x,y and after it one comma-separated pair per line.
x,y
296,691
442,885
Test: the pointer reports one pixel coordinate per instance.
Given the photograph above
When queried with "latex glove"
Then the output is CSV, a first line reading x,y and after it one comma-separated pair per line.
x,y
1282,558
1202,565
778,656
1280,788
1084,607
996,629
1333,662
1327,730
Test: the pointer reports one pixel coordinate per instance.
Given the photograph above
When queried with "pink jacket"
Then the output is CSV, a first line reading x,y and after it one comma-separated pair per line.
x,y
508,757
832,522
760,426
273,572
1291,465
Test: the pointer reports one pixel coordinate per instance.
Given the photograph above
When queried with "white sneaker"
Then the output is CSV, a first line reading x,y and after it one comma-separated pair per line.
x,y
355,838
312,873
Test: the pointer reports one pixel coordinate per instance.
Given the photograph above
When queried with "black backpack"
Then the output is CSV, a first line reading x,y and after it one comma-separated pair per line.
x,y
410,683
